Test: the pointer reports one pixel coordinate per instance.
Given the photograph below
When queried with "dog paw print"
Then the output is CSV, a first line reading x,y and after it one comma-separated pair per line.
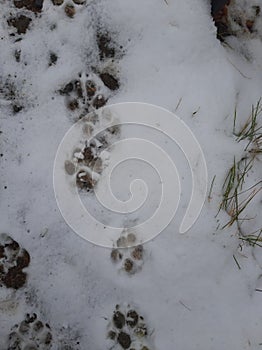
x,y
128,330
13,259
30,334
87,163
128,256
70,7
90,91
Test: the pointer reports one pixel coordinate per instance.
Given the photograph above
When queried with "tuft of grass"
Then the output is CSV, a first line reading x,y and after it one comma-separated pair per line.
x,y
235,198
252,130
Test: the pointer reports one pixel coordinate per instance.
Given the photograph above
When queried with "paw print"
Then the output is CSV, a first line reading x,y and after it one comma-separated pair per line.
x,y
86,164
13,259
30,334
130,258
128,330
70,7
90,91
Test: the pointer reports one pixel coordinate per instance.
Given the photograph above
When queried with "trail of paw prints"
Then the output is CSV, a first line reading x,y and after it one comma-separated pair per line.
x,y
13,260
128,330
30,334
86,163
128,256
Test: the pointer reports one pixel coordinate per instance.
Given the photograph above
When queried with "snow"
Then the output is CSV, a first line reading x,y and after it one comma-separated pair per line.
x,y
189,289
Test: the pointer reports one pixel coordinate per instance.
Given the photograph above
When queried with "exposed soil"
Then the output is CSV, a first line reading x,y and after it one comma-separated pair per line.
x,y
21,23
31,5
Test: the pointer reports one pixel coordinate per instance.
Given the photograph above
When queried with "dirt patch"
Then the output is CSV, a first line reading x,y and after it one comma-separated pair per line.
x,y
31,5
21,23
13,259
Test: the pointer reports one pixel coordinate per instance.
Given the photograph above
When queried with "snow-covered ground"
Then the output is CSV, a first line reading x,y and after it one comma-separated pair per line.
x,y
198,290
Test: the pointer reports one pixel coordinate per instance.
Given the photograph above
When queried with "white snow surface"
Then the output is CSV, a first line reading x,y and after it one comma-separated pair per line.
x,y
190,289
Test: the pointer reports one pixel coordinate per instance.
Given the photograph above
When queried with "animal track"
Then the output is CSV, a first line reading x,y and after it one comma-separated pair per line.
x,y
86,163
129,258
13,259
89,91
30,334
128,330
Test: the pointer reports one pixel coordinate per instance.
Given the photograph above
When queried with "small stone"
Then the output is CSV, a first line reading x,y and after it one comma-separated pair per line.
x,y
124,340
70,10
